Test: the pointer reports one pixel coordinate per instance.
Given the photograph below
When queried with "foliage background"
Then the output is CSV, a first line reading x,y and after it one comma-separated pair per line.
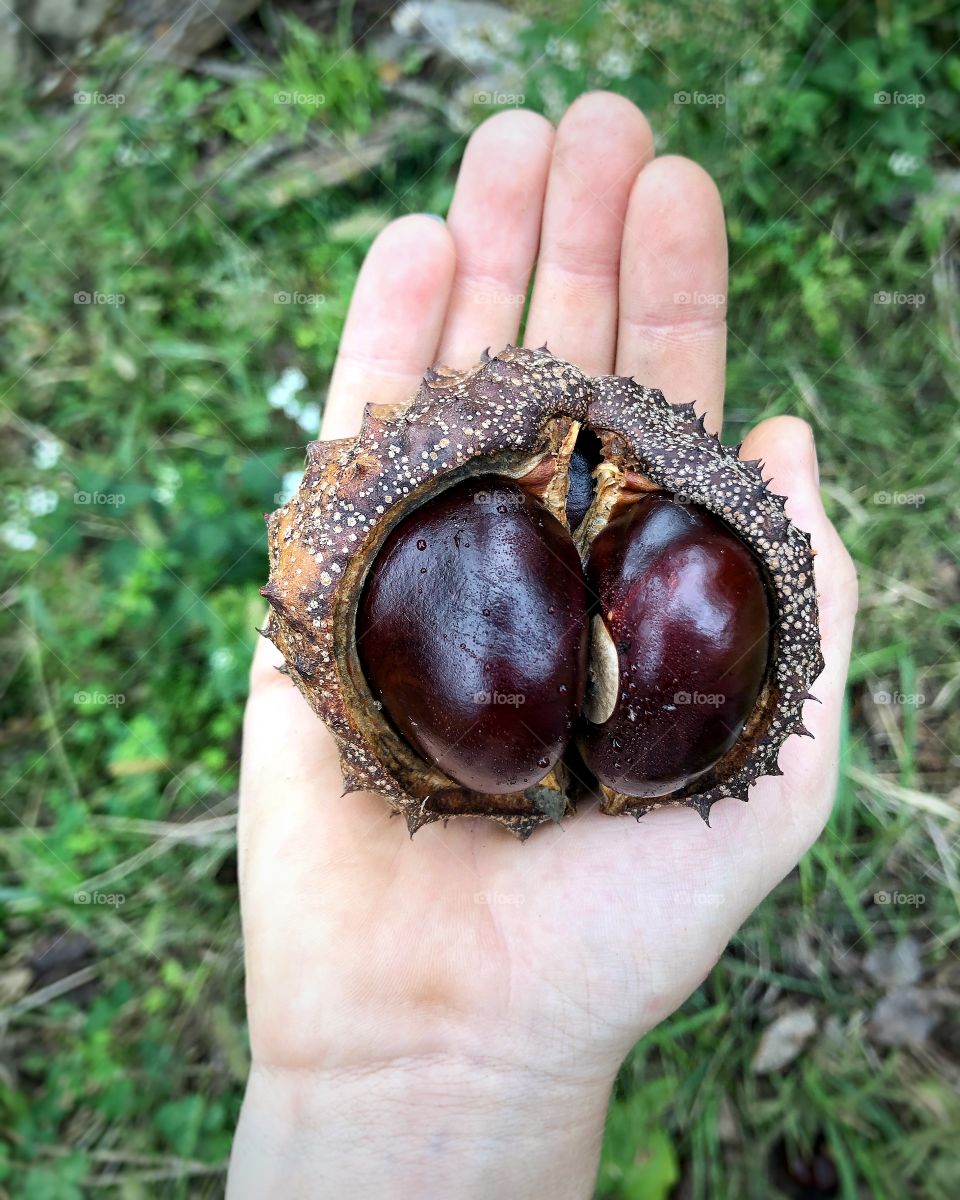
x,y
147,428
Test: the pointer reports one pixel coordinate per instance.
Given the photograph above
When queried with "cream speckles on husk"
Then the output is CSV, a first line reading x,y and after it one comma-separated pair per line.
x,y
517,416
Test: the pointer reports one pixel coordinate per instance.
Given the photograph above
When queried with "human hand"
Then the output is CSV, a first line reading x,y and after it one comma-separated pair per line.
x,y
446,1015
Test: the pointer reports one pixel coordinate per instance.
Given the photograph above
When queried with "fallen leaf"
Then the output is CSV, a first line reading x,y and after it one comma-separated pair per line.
x,y
783,1040
904,1017
14,984
895,964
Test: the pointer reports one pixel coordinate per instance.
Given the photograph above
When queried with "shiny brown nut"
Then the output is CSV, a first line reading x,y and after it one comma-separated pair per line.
x,y
681,637
472,632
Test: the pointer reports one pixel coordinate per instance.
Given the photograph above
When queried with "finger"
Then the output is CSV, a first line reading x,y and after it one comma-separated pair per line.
x,y
602,142
673,284
495,223
786,449
787,814
394,322
390,336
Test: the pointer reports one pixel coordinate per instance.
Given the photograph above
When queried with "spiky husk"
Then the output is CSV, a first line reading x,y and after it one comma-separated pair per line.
x,y
516,414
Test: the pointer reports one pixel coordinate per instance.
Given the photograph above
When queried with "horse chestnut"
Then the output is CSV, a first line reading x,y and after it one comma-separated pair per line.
x,y
472,632
527,588
684,606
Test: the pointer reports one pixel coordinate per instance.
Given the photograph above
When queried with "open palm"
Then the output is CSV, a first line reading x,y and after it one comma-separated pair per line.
x,y
362,944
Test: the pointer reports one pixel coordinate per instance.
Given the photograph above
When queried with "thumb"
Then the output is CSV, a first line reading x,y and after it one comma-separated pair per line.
x,y
786,447
788,454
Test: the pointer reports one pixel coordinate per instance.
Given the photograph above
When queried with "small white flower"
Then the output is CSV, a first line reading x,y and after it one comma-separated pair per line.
x,y
221,659
615,63
407,19
309,418
39,501
46,452
128,156
167,485
464,43
18,536
904,164
294,378
503,35
289,485
278,395
566,52
554,98
563,51
281,393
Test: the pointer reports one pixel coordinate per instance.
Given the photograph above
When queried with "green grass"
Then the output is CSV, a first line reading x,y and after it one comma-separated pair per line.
x,y
155,397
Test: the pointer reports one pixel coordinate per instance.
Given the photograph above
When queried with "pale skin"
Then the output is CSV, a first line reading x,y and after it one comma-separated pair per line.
x,y
445,1016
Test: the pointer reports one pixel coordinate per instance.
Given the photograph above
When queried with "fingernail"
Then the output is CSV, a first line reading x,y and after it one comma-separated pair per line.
x,y
435,217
